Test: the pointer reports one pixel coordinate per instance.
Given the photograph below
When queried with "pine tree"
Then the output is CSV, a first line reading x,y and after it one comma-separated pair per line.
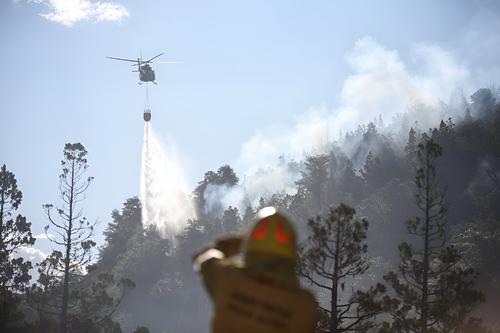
x,y
225,175
334,255
411,146
314,181
467,116
74,231
231,220
348,184
374,173
249,215
126,223
15,232
434,290
370,166
483,103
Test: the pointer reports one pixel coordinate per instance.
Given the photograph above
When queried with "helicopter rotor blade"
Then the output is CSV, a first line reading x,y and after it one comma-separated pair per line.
x,y
169,62
122,59
153,58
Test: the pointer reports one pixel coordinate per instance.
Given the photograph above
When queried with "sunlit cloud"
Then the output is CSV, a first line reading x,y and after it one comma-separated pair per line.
x,y
43,236
69,12
30,253
33,255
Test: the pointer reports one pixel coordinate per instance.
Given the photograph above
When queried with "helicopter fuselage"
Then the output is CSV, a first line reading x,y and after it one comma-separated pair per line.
x,y
146,74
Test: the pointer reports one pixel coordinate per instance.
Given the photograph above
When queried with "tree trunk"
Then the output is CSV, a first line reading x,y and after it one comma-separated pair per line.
x,y
64,307
424,300
335,281
2,202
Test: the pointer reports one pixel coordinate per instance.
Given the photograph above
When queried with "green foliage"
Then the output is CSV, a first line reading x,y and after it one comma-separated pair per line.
x,y
128,244
141,329
79,300
92,301
483,102
73,229
11,318
411,147
15,232
120,231
475,325
225,175
231,221
144,259
434,290
315,178
477,241
99,295
334,255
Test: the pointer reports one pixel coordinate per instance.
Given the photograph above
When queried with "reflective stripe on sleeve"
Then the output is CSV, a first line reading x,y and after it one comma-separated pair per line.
x,y
207,255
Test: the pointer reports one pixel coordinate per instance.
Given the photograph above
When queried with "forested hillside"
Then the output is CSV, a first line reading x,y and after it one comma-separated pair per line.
x,y
382,189
371,179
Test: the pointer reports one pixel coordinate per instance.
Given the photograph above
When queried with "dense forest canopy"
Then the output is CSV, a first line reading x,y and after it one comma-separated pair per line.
x,y
372,183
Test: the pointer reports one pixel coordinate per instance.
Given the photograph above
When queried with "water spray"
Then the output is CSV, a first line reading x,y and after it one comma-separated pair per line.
x,y
166,204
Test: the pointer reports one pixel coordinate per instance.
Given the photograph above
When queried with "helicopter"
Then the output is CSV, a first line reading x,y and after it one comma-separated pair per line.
x,y
146,73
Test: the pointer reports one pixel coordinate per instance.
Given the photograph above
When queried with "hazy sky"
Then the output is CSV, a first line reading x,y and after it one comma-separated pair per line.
x,y
251,71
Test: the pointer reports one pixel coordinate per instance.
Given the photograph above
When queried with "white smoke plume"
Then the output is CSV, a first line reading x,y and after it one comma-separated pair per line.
x,y
381,84
275,178
429,85
166,203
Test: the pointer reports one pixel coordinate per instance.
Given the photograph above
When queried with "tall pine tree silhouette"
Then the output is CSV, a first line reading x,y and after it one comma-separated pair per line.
x,y
434,289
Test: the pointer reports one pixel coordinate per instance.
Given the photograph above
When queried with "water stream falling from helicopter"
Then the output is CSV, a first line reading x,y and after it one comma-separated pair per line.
x,y
166,203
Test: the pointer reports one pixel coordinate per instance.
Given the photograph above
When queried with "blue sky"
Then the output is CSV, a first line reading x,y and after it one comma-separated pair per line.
x,y
251,69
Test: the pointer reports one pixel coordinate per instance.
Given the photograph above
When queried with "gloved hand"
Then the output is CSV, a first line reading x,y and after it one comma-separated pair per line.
x,y
229,245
